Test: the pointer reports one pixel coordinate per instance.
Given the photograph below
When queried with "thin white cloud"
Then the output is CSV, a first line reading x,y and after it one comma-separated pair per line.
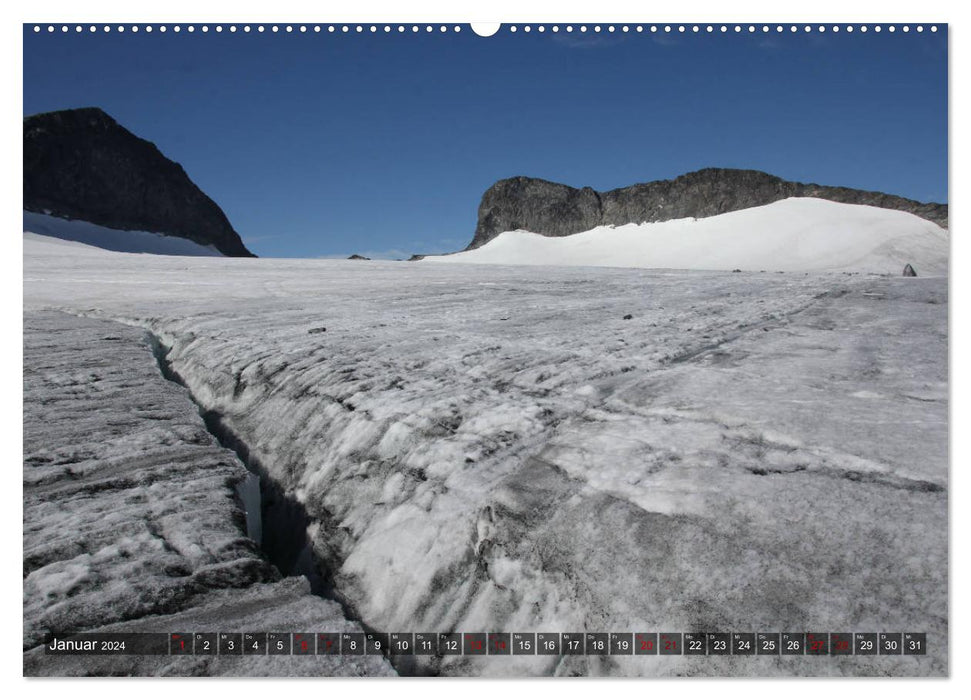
x,y
587,40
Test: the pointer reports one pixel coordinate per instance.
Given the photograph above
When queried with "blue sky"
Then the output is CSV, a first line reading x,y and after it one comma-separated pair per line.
x,y
331,144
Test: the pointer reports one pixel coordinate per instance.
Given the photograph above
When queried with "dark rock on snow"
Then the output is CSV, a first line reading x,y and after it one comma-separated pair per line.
x,y
82,164
357,257
909,271
552,209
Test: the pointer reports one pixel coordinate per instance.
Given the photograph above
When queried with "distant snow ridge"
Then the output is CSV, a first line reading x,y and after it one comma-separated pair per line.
x,y
112,239
793,235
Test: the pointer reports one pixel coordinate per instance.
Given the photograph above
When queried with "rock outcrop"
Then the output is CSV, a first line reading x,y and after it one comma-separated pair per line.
x,y
81,164
553,209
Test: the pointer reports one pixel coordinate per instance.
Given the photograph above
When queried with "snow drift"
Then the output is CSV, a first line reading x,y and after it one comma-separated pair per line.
x,y
793,235
112,239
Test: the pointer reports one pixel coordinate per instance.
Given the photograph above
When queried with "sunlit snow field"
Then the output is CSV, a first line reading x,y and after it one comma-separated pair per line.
x,y
496,448
795,235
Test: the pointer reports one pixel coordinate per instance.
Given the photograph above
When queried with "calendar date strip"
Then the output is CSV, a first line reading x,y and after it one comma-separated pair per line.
x,y
493,644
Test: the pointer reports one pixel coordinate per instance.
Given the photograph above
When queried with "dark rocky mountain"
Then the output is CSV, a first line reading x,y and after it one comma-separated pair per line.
x,y
357,257
552,209
82,164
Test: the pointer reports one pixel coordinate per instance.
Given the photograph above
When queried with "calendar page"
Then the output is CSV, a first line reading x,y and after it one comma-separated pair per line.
x,y
518,350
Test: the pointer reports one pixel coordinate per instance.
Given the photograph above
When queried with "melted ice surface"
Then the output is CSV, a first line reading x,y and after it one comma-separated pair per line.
x,y
492,448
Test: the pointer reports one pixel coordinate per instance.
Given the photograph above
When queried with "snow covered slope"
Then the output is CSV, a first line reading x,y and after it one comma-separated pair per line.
x,y
112,239
796,234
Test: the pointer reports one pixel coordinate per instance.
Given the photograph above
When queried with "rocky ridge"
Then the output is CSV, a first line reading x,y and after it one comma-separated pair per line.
x,y
554,209
81,164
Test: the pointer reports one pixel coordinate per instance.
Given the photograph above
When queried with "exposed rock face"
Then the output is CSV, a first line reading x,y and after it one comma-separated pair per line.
x,y
357,257
81,164
909,271
552,209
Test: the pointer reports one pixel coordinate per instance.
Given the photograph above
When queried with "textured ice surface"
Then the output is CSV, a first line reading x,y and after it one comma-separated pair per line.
x,y
796,234
488,448
284,606
130,511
